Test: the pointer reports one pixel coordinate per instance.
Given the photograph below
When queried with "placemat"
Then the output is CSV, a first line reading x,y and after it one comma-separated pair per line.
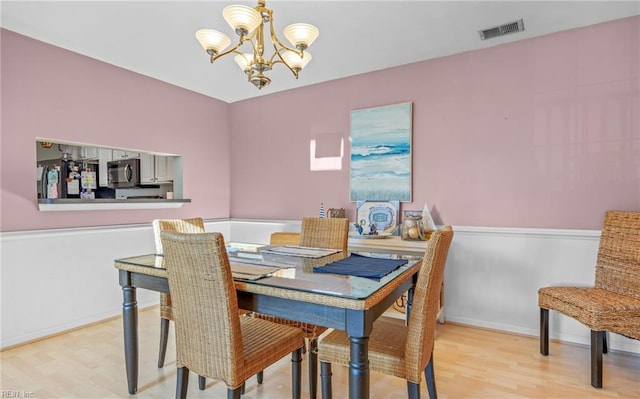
x,y
303,252
361,266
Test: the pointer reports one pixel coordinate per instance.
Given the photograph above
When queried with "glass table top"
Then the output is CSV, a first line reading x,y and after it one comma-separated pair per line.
x,y
291,272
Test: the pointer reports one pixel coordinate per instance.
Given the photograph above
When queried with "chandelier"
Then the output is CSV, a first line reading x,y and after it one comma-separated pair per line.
x,y
249,24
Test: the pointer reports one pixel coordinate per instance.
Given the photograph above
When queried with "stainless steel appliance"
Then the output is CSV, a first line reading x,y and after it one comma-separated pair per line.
x,y
60,178
123,173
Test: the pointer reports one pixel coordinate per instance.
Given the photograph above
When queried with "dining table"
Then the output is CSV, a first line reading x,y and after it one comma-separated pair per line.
x,y
290,286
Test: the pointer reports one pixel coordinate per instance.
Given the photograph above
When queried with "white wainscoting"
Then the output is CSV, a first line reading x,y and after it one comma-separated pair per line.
x,y
493,275
55,280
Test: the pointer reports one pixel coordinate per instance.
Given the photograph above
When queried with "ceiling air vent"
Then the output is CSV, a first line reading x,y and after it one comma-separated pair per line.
x,y
511,27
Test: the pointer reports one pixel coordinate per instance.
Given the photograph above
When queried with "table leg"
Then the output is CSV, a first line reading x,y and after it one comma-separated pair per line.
x,y
130,324
409,304
359,368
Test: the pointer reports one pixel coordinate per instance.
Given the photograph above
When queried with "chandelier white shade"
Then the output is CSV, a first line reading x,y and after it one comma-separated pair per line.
x,y
242,17
301,35
295,61
213,40
244,61
249,24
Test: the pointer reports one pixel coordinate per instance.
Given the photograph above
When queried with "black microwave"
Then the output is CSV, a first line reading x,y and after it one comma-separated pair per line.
x,y
124,173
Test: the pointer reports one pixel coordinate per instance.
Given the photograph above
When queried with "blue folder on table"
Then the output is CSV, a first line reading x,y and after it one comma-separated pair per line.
x,y
361,266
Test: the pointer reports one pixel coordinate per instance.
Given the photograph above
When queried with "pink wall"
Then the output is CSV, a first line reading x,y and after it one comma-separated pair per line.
x,y
540,133
51,92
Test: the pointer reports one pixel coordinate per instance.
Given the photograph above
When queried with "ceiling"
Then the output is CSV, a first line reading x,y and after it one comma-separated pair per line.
x,y
156,38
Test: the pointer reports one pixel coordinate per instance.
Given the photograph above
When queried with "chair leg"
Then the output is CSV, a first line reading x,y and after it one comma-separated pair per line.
x,y
413,389
202,382
234,393
296,373
260,376
243,388
544,332
430,376
597,340
164,337
605,339
325,377
313,368
182,383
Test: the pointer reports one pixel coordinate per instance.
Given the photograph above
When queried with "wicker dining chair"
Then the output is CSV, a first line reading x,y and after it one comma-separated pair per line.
x,y
396,348
613,304
194,225
284,238
330,233
212,339
278,238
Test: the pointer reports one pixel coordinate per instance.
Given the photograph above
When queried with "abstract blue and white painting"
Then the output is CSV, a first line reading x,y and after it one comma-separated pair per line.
x,y
381,153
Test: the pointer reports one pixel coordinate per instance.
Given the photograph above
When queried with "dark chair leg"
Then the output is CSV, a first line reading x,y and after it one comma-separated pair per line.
x,y
202,381
182,383
164,337
413,389
544,332
597,340
605,339
260,376
325,377
313,368
430,376
296,373
243,388
234,393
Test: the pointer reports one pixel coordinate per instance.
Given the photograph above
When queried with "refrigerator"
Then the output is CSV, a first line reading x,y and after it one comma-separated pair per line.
x,y
60,178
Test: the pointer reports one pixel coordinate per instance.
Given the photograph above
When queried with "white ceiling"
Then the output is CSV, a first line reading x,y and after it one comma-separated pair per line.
x,y
156,38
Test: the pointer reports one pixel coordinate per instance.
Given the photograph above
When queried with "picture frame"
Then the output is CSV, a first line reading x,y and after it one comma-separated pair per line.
x,y
384,214
381,153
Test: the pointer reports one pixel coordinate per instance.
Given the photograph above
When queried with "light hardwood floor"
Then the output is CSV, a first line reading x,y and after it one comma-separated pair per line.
x,y
469,363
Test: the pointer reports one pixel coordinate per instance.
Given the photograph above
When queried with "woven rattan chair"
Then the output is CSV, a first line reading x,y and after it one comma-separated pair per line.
x,y
613,304
396,349
279,238
284,238
332,233
194,225
212,339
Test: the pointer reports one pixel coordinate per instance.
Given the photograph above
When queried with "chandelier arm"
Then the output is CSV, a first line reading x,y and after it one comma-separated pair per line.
x,y
215,57
285,47
243,40
281,60
275,39
249,38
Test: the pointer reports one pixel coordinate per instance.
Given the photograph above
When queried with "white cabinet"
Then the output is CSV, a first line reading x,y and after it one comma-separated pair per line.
x,y
70,152
164,168
147,168
104,155
155,169
89,153
118,154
